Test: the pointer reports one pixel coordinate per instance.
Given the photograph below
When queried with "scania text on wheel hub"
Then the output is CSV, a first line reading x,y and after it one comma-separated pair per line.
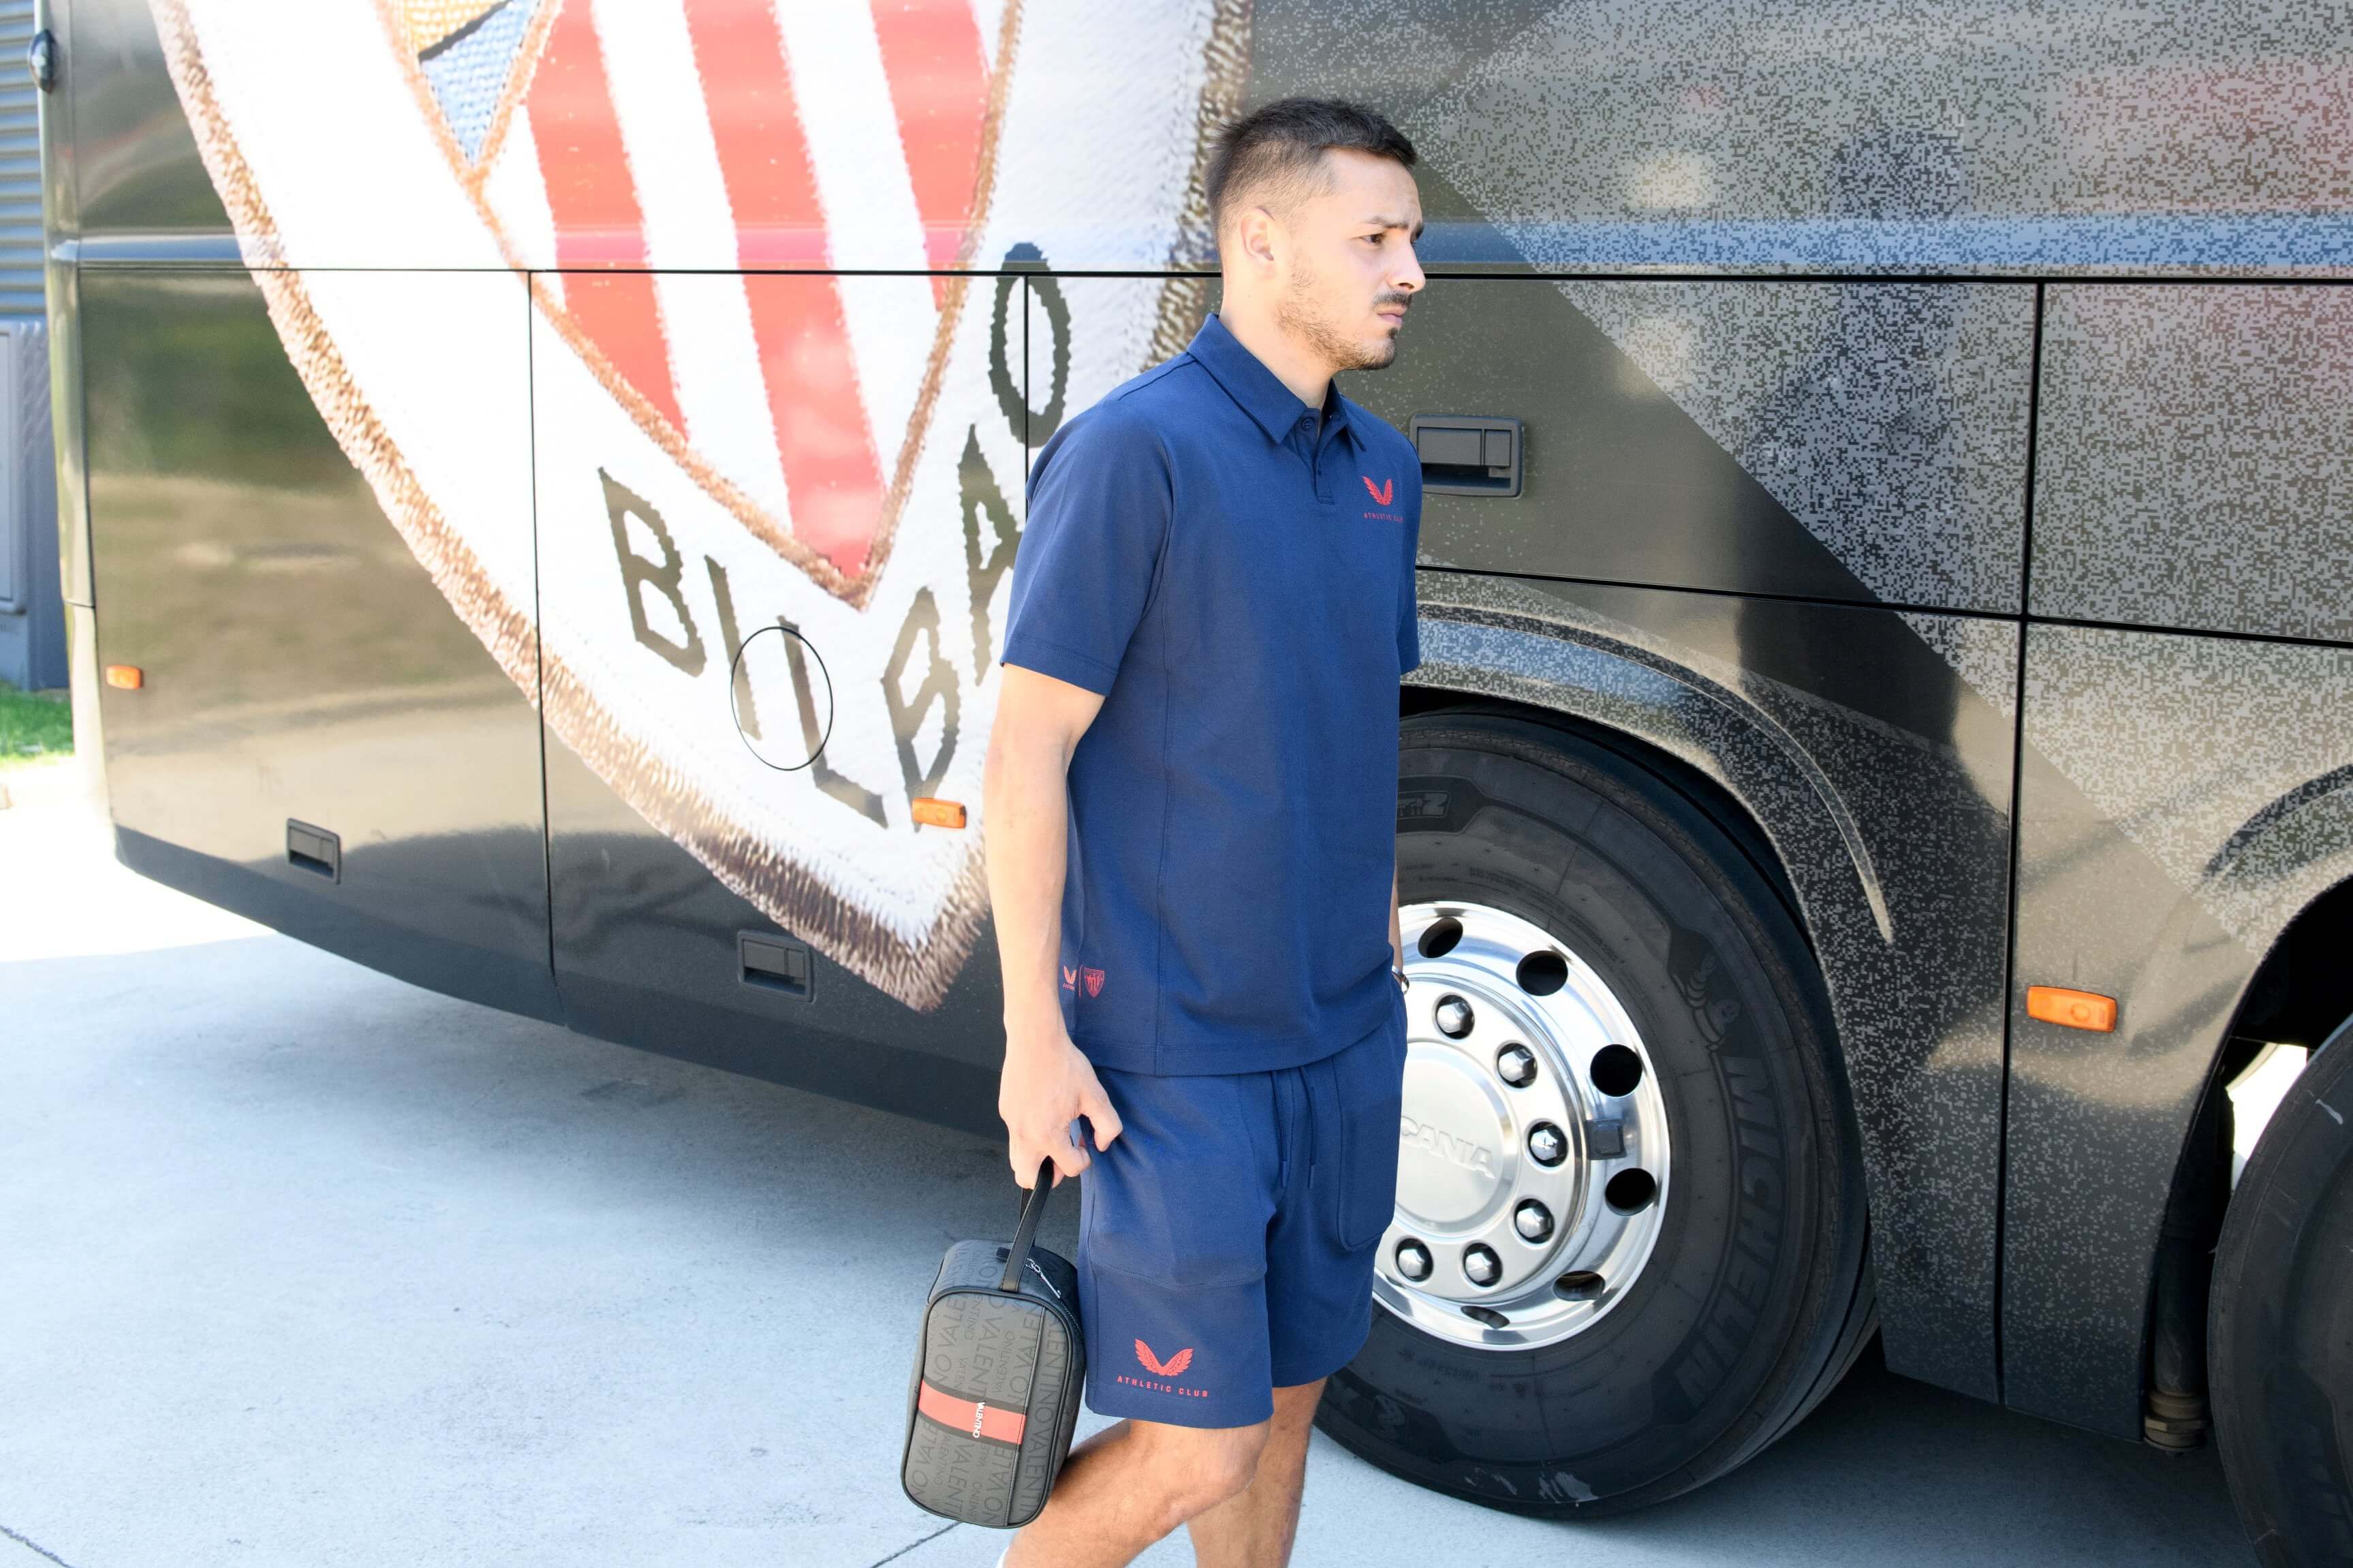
x,y
1533,1163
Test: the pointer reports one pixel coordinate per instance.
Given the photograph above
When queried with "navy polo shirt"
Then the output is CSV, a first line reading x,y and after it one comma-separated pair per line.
x,y
1233,571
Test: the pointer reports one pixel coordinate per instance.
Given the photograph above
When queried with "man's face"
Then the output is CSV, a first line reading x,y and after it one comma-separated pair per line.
x,y
1349,271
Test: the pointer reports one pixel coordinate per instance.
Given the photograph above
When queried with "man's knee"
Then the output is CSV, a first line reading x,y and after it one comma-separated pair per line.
x,y
1196,1468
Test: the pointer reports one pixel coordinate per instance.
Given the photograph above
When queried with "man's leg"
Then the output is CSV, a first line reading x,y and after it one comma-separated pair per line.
x,y
1133,1482
1254,1527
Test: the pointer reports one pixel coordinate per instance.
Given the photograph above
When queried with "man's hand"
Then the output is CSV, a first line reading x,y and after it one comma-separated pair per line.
x,y
1047,1084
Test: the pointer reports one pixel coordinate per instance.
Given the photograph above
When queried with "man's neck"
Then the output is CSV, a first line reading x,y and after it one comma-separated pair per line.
x,y
1297,366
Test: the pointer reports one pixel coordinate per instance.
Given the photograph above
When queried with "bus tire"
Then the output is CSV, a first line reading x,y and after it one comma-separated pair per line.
x,y
1756,1294
2280,1340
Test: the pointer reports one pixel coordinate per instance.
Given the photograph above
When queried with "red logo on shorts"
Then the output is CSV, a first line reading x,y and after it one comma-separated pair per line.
x,y
1172,1367
1382,492
1093,977
1069,978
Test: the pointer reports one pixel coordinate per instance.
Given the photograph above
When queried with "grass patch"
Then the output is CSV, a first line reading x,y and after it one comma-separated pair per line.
x,y
34,726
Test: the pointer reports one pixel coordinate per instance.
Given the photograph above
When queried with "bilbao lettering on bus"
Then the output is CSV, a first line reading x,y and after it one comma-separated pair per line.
x,y
992,533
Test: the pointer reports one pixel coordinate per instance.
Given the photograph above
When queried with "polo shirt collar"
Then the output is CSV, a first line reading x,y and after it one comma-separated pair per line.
x,y
1259,390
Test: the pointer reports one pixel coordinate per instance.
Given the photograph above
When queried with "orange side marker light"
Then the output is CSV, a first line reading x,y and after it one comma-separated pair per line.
x,y
125,677
939,812
2075,1009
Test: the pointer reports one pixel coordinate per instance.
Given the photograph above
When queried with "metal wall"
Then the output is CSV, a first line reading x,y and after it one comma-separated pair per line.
x,y
32,614
21,292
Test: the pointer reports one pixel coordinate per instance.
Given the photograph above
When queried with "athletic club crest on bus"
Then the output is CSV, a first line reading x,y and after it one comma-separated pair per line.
x,y
572,281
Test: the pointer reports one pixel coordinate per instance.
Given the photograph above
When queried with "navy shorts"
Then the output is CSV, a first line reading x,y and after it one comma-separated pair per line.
x,y
1227,1236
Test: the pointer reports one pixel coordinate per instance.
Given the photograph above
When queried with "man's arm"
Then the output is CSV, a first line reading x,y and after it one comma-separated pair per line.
x,y
1025,805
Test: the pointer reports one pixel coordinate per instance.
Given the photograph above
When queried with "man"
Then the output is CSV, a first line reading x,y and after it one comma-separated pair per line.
x,y
1192,807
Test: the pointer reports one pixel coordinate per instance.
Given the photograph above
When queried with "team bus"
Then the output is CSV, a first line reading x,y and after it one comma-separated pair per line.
x,y
542,478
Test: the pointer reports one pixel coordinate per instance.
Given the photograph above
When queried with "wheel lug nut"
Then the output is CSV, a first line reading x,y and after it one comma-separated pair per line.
x,y
1481,1265
1533,1221
1453,1016
1413,1259
1517,1065
1548,1145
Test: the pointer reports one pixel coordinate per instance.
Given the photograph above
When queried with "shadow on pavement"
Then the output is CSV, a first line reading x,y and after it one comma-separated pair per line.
x,y
307,1267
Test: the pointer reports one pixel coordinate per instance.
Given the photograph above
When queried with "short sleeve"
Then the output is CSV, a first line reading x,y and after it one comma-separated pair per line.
x,y
1409,629
1100,502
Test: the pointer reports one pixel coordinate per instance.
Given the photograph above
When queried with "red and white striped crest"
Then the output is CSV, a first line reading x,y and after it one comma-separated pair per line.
x,y
730,131
650,325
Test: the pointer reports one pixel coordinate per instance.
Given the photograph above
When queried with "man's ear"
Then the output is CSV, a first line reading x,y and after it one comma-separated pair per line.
x,y
1254,234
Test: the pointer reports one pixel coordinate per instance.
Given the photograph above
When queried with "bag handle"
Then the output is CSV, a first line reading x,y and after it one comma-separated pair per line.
x,y
1033,1207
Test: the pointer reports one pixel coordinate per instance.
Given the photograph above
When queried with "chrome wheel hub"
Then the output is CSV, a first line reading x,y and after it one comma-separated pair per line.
x,y
1533,1158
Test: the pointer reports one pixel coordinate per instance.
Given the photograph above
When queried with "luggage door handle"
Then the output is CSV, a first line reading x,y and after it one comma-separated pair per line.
x,y
1468,454
314,849
772,964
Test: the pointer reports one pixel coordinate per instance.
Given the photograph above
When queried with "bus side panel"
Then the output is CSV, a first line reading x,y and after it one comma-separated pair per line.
x,y
2193,471
1847,136
299,665
1559,138
1853,442
2183,796
139,182
2182,799
647,954
763,651
1857,441
1871,748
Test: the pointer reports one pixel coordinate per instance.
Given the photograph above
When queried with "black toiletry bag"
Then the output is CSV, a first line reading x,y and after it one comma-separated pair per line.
x,y
1000,1372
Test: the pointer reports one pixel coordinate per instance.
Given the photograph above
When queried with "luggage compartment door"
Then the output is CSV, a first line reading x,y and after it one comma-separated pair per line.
x,y
319,738
777,518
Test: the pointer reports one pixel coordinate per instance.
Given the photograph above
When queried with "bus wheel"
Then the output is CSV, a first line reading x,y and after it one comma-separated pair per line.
x,y
2280,1347
1628,1250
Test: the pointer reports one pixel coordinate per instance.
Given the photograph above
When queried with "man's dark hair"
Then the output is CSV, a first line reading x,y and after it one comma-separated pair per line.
x,y
1284,144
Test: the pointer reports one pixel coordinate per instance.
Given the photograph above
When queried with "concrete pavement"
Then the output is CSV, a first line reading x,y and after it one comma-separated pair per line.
x,y
300,1266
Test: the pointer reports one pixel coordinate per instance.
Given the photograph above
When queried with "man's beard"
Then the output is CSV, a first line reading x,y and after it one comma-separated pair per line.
x,y
1296,312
